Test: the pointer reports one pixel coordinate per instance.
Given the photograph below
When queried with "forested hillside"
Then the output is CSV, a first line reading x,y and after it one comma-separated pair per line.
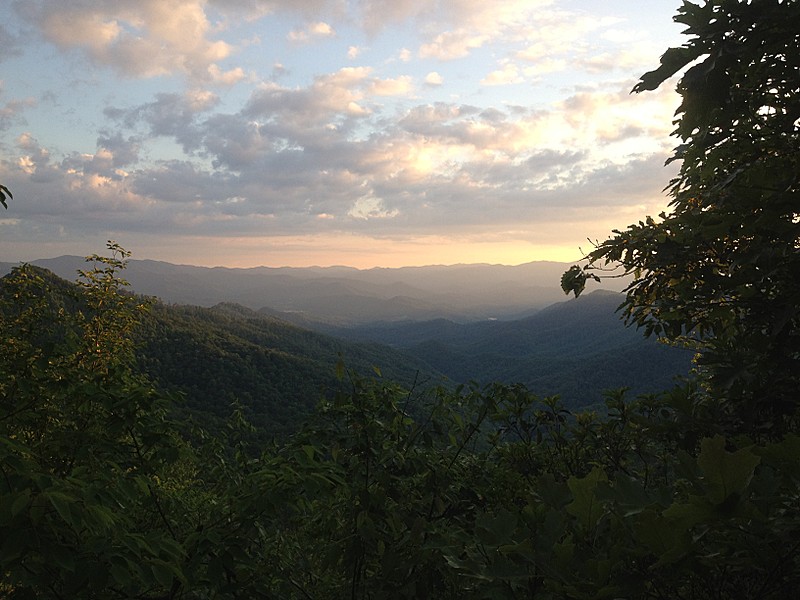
x,y
276,371
229,356
576,349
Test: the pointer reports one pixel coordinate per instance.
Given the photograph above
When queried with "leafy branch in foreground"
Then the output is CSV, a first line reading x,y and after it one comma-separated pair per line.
x,y
4,194
720,270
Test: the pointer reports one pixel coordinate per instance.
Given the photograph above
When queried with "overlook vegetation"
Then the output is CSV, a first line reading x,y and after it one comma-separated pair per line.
x,y
394,491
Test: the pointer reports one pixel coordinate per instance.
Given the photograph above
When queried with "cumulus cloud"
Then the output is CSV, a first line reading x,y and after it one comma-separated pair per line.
x,y
399,86
230,77
453,44
312,31
34,160
171,115
442,163
344,94
433,79
354,150
123,151
507,75
146,38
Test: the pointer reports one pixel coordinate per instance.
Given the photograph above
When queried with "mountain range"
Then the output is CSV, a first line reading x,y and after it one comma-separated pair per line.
x,y
270,339
346,296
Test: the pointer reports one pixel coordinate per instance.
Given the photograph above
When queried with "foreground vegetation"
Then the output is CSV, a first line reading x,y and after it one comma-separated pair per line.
x,y
386,492
393,492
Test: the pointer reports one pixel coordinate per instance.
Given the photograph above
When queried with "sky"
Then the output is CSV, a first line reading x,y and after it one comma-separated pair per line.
x,y
330,132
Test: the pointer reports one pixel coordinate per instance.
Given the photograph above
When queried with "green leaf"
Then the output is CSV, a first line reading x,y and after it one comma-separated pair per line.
x,y
673,60
121,575
573,280
15,544
785,454
496,529
20,502
62,503
63,556
664,537
586,505
3,193
162,572
725,472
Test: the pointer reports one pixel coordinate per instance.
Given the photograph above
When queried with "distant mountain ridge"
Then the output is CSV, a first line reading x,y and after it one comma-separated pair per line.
x,y
278,371
576,349
347,296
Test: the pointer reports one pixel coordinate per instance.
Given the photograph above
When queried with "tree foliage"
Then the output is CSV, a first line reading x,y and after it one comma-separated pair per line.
x,y
5,193
721,268
388,492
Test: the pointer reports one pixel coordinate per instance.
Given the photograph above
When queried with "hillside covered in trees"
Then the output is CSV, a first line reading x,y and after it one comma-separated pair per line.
x,y
483,491
276,373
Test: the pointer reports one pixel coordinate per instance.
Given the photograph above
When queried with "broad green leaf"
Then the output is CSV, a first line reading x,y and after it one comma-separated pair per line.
x,y
725,472
496,529
162,573
62,556
665,538
62,503
4,191
785,454
586,505
672,61
20,502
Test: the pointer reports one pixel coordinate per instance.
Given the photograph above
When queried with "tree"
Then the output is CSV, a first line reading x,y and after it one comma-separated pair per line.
x,y
721,269
4,193
82,439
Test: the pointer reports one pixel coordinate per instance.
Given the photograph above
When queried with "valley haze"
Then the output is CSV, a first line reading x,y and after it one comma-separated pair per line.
x,y
345,296
449,324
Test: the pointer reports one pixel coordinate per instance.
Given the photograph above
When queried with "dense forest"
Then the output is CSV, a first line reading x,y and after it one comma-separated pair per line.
x,y
392,490
275,372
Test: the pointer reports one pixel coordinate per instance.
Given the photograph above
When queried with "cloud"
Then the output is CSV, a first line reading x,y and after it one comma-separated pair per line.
x,y
449,24
217,76
439,169
254,9
142,39
234,142
13,112
171,115
34,160
331,97
335,154
312,31
400,86
433,79
119,150
509,74
453,44
289,156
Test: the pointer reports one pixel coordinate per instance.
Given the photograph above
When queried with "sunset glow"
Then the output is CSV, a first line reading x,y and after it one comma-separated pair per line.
x,y
320,133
